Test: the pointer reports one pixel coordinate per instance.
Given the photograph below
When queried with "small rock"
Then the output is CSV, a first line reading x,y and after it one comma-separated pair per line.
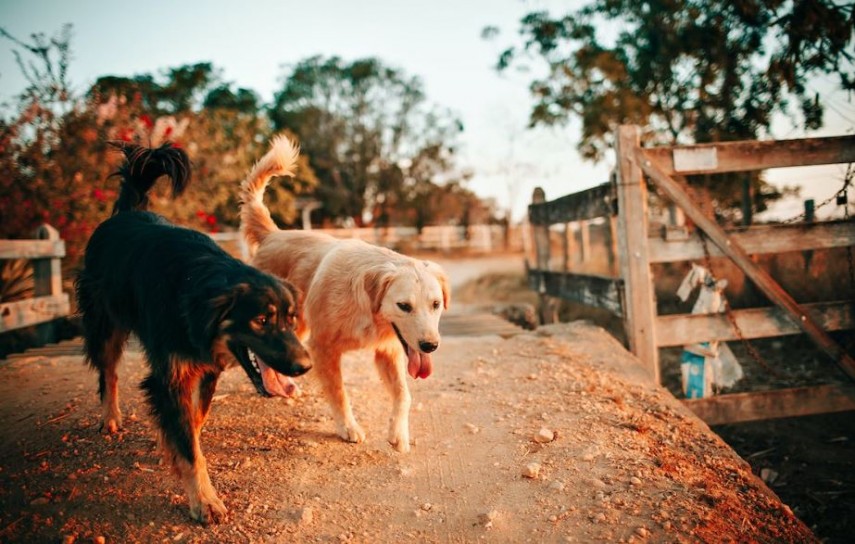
x,y
427,507
307,515
486,519
39,501
553,518
69,539
642,532
531,470
768,475
599,518
99,540
557,485
474,429
634,481
544,435
598,484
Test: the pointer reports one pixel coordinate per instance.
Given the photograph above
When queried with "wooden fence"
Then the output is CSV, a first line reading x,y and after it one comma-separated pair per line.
x,y
49,301
639,247
444,238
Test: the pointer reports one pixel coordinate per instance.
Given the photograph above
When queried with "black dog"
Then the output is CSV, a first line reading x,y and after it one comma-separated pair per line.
x,y
195,309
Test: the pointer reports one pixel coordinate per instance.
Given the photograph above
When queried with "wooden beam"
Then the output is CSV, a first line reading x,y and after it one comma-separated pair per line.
x,y
640,306
588,204
591,290
799,401
47,281
543,251
31,249
684,329
32,311
584,242
742,156
759,240
734,250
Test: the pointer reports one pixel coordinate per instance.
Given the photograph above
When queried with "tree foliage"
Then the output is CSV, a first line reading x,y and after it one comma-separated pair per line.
x,y
689,71
380,148
56,163
368,132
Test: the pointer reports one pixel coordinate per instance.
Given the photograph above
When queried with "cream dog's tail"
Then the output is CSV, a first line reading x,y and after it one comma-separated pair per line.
x,y
255,220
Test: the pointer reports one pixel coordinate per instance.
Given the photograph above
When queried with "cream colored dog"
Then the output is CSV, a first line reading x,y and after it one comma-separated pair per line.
x,y
354,295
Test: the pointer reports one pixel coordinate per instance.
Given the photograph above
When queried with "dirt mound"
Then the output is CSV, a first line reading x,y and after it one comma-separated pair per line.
x,y
547,436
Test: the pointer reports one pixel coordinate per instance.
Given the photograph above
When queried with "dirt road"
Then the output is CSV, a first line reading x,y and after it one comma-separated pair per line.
x,y
551,436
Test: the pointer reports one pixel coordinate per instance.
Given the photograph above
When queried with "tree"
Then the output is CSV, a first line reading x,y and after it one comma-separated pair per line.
x,y
182,90
56,163
363,125
689,71
224,130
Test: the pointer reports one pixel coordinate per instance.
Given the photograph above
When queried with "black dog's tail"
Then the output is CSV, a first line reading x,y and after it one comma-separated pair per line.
x,y
141,169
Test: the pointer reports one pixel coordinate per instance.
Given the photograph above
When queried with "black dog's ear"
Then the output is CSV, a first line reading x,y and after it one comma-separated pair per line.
x,y
293,291
207,320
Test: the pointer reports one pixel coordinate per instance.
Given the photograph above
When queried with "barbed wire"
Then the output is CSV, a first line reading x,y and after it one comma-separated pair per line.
x,y
836,197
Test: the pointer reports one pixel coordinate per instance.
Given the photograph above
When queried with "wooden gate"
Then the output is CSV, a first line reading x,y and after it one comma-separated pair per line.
x,y
647,332
49,302
634,290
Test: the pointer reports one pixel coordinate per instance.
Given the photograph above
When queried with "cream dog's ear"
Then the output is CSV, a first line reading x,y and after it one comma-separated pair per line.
x,y
442,278
375,284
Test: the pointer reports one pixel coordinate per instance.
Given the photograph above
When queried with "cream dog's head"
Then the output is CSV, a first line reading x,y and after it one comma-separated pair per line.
x,y
411,297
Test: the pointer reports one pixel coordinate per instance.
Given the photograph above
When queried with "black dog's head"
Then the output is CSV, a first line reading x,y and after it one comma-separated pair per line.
x,y
255,321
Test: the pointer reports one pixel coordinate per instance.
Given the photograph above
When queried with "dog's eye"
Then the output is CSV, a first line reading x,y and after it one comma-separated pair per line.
x,y
435,304
405,306
261,320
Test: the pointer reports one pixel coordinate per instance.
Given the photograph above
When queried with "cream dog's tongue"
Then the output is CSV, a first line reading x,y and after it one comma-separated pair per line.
x,y
419,364
275,383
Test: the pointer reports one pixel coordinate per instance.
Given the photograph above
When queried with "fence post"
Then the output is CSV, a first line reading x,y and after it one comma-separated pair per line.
x,y
47,280
584,243
640,311
612,247
565,247
810,216
546,306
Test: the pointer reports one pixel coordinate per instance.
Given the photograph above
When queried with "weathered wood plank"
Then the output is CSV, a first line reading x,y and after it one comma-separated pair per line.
x,y
749,155
640,307
31,249
799,401
546,309
47,281
591,290
683,329
759,240
734,250
32,311
588,204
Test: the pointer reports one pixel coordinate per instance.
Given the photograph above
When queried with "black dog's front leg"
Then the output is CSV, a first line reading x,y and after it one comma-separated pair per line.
x,y
180,404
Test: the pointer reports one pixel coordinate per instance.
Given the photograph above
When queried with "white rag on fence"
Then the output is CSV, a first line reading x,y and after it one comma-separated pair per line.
x,y
706,364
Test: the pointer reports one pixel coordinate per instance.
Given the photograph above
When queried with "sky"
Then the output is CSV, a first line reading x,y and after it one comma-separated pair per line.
x,y
439,41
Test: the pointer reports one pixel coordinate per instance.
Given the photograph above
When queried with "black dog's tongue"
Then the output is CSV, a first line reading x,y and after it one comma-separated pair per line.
x,y
419,364
275,383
